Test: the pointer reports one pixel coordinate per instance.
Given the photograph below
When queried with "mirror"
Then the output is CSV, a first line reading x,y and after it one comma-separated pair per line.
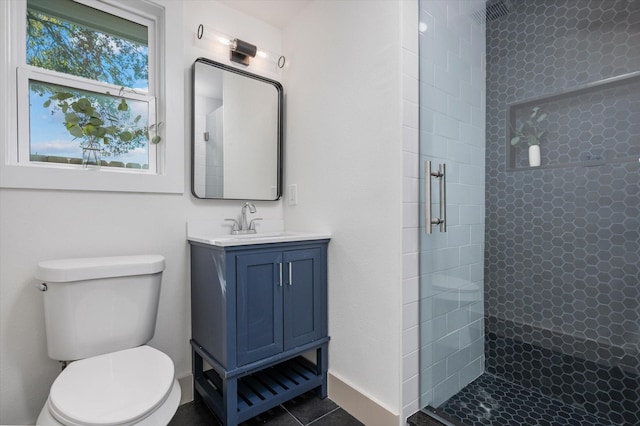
x,y
237,134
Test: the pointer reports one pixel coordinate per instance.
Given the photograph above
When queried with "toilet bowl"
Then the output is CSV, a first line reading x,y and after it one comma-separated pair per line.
x,y
129,387
99,314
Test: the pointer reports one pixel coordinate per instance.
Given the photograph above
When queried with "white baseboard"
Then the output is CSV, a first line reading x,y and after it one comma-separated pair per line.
x,y
360,406
186,386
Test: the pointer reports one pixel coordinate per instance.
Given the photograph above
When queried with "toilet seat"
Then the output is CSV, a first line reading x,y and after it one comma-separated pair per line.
x,y
119,388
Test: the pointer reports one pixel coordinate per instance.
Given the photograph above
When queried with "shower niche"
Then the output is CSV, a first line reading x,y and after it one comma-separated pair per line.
x,y
590,125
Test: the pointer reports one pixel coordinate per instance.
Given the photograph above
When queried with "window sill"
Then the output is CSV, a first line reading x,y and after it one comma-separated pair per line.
x,y
62,178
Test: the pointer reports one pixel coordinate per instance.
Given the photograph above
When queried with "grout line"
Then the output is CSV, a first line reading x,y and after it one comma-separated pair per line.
x,y
324,415
291,414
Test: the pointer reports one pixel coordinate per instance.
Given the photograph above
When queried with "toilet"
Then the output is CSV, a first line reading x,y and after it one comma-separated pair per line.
x,y
99,315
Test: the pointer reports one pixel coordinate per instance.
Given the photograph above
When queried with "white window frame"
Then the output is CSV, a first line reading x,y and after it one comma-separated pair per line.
x,y
16,173
28,73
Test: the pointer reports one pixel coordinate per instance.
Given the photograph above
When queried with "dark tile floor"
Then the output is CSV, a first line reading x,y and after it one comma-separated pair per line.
x,y
307,409
491,400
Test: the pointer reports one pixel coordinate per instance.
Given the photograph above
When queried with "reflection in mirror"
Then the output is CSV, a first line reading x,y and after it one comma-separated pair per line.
x,y
237,133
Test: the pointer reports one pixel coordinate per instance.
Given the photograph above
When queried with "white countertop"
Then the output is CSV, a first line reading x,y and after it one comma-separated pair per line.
x,y
210,233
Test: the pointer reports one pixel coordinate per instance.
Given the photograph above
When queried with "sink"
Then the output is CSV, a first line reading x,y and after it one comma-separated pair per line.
x,y
259,238
264,236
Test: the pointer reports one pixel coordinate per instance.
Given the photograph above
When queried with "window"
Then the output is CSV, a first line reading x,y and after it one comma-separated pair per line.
x,y
84,79
64,118
83,94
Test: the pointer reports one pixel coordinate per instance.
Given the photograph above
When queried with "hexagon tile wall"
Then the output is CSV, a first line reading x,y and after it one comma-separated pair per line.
x,y
562,253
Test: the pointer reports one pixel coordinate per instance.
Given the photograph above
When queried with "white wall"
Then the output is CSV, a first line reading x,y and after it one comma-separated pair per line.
x,y
44,224
344,151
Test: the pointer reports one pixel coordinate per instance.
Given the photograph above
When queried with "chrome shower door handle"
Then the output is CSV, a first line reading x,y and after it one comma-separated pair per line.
x,y
428,219
427,197
443,197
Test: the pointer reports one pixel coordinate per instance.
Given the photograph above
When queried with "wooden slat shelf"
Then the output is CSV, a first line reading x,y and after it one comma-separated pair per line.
x,y
264,389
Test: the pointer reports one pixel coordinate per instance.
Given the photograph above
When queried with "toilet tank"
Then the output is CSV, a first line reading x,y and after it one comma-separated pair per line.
x,y
99,305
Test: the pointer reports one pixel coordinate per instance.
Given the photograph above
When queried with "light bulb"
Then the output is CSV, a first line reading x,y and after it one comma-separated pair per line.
x,y
223,40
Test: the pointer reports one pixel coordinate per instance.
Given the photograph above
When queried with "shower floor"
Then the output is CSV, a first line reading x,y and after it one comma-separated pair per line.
x,y
491,400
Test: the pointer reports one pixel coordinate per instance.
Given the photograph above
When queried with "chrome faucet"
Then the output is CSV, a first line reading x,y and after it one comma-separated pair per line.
x,y
243,216
244,227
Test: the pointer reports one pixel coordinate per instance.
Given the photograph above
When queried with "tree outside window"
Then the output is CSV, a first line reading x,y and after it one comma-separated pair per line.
x,y
79,41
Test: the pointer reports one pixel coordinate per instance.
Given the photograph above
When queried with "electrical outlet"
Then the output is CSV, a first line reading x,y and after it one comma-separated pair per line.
x,y
292,194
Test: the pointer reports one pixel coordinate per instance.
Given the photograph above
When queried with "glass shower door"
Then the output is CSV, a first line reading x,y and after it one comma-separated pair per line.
x,y
452,143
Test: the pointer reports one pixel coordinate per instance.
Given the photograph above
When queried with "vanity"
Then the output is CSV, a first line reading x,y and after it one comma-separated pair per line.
x,y
258,300
258,304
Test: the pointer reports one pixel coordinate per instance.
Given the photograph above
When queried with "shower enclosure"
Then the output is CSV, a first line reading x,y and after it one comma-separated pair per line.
x,y
530,300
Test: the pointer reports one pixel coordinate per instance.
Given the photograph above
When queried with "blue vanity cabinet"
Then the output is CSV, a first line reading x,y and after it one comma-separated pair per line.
x,y
255,310
305,296
279,301
259,306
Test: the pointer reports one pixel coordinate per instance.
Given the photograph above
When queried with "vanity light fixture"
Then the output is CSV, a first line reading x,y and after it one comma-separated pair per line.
x,y
240,51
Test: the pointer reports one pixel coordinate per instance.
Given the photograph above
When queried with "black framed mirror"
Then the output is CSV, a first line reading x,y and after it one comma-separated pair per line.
x,y
236,134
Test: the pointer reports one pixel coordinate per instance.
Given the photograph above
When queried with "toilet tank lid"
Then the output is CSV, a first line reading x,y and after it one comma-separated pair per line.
x,y
67,270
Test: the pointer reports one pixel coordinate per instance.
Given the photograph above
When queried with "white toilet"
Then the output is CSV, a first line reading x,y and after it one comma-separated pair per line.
x,y
99,313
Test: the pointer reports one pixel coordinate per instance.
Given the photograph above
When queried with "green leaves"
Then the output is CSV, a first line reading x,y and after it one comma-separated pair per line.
x,y
72,118
156,129
104,121
126,136
66,46
123,105
62,96
96,121
75,131
529,130
83,104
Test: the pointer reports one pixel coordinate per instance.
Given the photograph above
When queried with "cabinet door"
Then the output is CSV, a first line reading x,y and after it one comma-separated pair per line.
x,y
259,306
303,303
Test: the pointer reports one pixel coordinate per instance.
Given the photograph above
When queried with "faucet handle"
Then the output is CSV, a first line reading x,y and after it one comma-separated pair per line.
x,y
252,224
234,226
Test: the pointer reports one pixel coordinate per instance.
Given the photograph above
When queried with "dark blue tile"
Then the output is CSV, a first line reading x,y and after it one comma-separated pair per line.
x,y
491,400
